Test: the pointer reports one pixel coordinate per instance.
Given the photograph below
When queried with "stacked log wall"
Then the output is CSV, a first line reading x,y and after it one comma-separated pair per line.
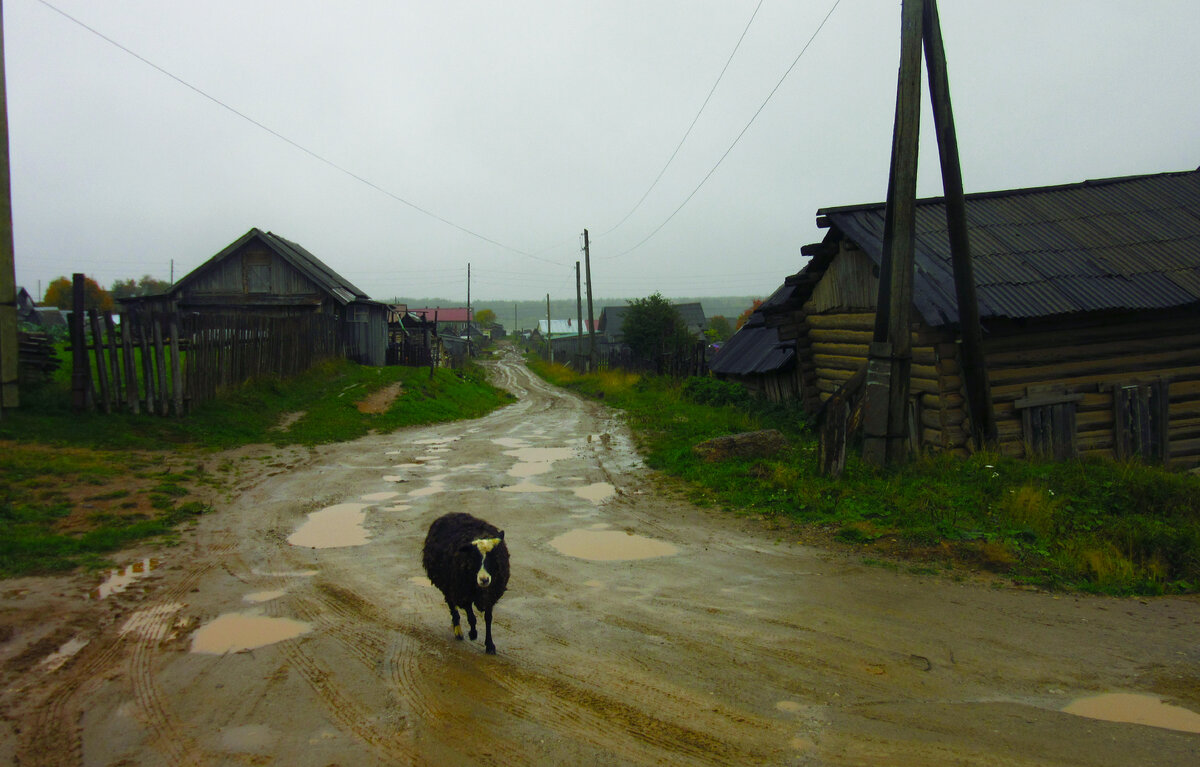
x,y
838,345
1089,359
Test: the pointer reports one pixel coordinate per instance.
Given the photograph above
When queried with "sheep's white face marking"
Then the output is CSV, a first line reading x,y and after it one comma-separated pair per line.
x,y
483,577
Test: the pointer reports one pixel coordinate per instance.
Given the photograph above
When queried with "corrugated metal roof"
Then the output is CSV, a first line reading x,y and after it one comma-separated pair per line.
x,y
754,349
1123,243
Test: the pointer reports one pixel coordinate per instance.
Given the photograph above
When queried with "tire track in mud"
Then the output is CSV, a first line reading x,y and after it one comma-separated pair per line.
x,y
382,645
57,724
147,628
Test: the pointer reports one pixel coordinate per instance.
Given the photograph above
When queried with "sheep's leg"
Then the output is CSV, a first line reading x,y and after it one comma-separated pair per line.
x,y
488,645
471,621
454,622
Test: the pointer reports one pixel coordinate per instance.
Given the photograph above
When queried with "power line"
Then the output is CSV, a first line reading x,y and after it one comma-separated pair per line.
x,y
688,132
736,140
281,137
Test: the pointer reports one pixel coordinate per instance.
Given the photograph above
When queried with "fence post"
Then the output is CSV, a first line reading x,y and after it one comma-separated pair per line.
x,y
81,369
131,380
176,366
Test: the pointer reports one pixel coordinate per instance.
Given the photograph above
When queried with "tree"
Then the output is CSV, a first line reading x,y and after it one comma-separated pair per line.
x,y
146,286
745,316
60,293
652,326
485,317
719,328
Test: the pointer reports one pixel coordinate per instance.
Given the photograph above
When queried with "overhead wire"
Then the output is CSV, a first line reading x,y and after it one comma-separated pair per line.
x,y
688,132
753,117
293,143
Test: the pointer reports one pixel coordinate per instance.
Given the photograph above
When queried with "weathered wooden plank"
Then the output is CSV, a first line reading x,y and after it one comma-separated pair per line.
x,y
176,367
101,363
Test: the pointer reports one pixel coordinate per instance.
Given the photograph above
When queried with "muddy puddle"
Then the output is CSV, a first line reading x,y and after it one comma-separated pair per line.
x,y
526,487
259,597
117,581
333,527
239,632
610,545
1134,708
374,497
541,454
597,492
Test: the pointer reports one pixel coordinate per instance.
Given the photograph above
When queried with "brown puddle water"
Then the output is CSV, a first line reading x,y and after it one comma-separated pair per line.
x,y
333,527
119,580
541,454
239,632
610,545
1135,709
597,493
374,497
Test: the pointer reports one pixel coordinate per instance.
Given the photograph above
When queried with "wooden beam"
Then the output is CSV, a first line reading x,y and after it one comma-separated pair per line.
x,y
979,397
894,306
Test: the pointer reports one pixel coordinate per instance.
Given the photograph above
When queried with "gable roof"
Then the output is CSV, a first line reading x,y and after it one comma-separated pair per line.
x,y
304,262
1130,243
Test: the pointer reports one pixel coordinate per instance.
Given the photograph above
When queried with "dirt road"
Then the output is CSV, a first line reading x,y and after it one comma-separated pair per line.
x,y
636,630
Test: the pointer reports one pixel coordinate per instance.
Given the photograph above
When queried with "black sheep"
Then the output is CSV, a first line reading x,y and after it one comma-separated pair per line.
x,y
467,560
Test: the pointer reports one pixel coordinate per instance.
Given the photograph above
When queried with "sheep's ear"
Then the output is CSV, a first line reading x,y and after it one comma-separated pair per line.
x,y
501,536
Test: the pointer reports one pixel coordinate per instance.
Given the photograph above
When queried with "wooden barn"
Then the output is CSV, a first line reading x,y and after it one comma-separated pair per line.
x,y
1089,301
263,273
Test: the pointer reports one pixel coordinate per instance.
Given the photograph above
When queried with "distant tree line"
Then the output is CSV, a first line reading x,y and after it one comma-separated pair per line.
x,y
59,292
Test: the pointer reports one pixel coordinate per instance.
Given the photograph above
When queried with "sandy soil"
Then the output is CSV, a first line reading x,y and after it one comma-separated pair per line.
x,y
637,630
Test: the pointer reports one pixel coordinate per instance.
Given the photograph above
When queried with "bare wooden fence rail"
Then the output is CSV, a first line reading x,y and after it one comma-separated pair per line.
x,y
171,363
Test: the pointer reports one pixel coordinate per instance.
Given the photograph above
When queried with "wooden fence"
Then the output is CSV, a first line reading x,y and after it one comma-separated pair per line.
x,y
171,363
691,361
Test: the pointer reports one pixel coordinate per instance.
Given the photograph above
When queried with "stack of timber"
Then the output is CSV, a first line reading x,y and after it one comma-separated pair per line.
x,y
36,361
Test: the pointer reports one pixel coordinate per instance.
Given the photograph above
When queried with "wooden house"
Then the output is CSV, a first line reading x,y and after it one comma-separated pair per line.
x,y
609,328
263,273
1089,301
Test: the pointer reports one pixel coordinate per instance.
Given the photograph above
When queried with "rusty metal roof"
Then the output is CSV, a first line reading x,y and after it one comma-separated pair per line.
x,y
1129,243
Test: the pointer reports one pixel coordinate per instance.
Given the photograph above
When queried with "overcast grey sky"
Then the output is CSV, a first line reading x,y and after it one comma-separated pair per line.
x,y
525,122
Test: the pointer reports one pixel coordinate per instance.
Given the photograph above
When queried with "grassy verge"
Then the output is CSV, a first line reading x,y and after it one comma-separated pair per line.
x,y
75,487
1118,528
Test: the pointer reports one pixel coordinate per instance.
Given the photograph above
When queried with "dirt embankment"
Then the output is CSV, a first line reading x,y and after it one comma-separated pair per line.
x,y
637,630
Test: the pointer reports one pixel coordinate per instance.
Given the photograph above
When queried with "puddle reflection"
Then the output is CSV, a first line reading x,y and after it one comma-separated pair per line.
x,y
119,580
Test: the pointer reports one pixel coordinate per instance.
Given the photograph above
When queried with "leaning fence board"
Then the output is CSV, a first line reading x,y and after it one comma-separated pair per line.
x,y
101,365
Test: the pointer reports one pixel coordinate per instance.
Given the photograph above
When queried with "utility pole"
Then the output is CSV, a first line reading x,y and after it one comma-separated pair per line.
x,y
172,271
579,312
549,346
587,262
975,376
889,363
886,410
9,394
468,296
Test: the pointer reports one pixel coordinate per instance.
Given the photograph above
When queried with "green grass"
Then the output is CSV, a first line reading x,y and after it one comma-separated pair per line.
x,y
75,487
1118,528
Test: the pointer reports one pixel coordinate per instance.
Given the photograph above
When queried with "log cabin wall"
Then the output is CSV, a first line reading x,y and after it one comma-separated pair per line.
x,y
1104,368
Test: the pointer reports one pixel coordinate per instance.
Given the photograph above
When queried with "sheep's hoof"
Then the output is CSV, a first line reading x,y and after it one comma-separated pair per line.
x,y
474,635
458,633
490,649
